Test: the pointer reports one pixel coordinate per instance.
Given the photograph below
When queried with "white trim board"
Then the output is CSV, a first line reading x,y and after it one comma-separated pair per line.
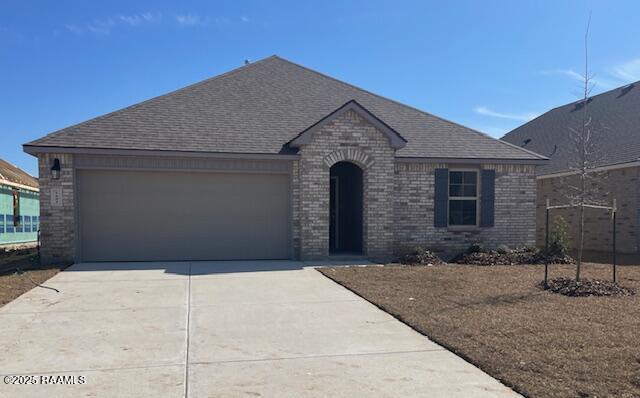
x,y
17,185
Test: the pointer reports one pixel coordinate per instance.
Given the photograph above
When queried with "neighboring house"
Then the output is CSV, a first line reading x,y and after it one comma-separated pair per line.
x,y
19,206
275,161
615,125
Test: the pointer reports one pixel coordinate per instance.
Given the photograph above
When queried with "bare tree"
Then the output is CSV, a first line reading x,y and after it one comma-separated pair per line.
x,y
587,192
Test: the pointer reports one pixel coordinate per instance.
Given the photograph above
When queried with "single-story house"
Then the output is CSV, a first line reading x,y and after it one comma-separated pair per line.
x,y
615,164
19,207
276,161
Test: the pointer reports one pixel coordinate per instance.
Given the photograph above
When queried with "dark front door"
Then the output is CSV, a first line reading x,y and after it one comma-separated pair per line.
x,y
345,209
333,214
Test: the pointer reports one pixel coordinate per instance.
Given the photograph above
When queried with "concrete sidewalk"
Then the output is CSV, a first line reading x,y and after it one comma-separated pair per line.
x,y
219,329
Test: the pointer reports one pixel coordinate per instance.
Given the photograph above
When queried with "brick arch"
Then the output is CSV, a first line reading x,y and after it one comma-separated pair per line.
x,y
350,155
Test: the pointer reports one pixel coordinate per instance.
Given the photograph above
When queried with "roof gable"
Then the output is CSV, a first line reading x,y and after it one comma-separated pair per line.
x,y
395,139
258,109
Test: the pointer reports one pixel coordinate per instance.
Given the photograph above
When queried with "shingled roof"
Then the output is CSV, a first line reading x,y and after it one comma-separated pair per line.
x,y
258,109
14,175
615,122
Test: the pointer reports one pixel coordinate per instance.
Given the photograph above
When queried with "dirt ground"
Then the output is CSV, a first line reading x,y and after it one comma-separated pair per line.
x,y
540,343
606,257
14,283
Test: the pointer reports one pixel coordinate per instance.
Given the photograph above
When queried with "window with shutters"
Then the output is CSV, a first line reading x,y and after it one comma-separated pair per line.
x,y
463,198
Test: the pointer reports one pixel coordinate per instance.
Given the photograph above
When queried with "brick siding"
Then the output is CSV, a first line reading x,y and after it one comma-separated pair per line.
x,y
621,184
414,209
57,224
347,138
397,199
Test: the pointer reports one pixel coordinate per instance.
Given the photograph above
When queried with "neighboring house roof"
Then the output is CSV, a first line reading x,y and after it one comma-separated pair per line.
x,y
615,125
258,109
12,175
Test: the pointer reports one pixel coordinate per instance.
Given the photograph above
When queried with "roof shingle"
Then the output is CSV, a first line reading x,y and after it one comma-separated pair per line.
x,y
615,123
260,107
12,174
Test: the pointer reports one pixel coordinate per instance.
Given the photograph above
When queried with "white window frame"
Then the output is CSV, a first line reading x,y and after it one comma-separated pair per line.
x,y
476,198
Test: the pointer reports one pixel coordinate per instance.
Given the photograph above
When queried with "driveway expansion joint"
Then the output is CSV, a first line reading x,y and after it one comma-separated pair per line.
x,y
92,310
41,372
354,354
187,331
276,303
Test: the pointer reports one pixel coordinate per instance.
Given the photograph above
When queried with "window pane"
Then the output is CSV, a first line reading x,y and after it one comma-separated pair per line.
x,y
455,190
455,177
469,190
469,212
462,212
455,212
463,184
27,223
8,219
470,177
1,223
19,227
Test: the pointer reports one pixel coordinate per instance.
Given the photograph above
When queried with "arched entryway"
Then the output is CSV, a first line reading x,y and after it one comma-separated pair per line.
x,y
345,210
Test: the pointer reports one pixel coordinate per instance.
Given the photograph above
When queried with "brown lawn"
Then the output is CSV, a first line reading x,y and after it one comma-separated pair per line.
x,y
540,343
12,283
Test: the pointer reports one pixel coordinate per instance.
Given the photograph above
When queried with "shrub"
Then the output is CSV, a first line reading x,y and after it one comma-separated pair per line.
x,y
475,248
559,242
420,256
503,255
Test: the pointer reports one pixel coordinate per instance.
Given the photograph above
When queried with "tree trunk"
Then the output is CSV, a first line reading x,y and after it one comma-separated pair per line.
x,y
580,242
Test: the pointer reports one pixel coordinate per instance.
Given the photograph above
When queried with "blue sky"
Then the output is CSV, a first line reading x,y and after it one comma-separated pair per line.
x,y
491,65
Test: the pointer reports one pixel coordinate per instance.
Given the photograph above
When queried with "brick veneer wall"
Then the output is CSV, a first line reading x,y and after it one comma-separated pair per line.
x,y
414,209
349,137
621,184
397,200
57,224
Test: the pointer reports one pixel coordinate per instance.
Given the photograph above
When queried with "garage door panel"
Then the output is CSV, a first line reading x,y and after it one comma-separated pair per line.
x,y
134,215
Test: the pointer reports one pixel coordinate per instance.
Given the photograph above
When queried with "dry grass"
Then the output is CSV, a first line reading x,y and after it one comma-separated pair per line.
x,y
12,283
540,343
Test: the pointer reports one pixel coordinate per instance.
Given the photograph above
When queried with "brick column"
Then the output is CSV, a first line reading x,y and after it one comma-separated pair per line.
x,y
57,223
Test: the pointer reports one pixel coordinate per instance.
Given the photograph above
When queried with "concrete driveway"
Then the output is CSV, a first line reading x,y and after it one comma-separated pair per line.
x,y
218,329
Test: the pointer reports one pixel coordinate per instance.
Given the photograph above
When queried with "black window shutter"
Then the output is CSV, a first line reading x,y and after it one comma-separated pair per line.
x,y
441,198
487,198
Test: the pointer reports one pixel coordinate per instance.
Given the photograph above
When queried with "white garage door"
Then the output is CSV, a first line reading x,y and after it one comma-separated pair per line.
x,y
144,216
